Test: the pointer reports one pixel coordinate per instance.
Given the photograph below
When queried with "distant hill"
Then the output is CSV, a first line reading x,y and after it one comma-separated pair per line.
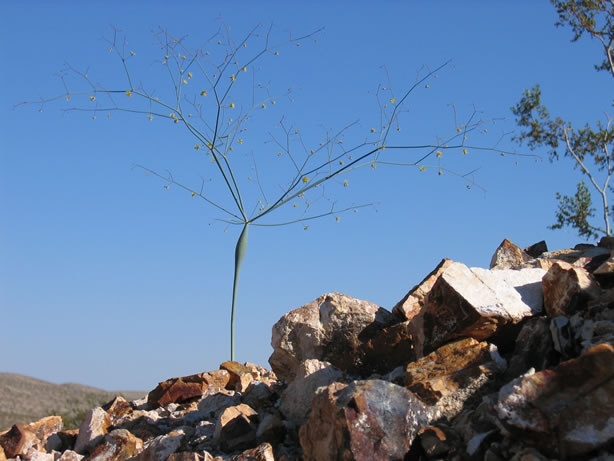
x,y
24,399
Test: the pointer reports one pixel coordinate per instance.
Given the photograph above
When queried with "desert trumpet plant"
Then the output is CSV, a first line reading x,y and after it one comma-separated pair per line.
x,y
213,93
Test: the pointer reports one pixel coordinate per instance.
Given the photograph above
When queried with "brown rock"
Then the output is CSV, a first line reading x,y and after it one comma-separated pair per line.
x,y
236,428
240,375
140,424
160,448
508,256
17,441
412,303
70,455
437,441
93,428
607,242
392,347
216,399
576,255
295,401
118,408
536,250
177,390
184,456
118,445
533,348
45,427
475,303
271,429
567,289
263,452
330,329
366,420
449,376
565,411
606,267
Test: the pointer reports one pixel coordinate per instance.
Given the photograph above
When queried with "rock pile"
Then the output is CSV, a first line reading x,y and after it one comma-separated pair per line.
x,y
511,363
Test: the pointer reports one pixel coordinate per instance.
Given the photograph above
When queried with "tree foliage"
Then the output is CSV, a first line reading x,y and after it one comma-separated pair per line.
x,y
590,146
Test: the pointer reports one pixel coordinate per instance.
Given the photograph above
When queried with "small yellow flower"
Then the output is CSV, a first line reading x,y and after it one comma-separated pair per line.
x,y
465,152
373,165
372,130
92,98
382,147
340,162
345,184
422,168
233,78
68,98
306,227
427,86
244,69
150,118
295,205
264,106
232,105
171,115
185,82
392,100
219,42
458,130
203,93
277,53
176,120
128,93
111,50
197,147
183,57
273,101
337,219
439,153
132,53
166,187
189,74
305,179
240,141
165,56
440,172
279,154
163,62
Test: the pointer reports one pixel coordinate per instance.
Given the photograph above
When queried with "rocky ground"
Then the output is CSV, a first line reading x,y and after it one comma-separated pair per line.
x,y
511,363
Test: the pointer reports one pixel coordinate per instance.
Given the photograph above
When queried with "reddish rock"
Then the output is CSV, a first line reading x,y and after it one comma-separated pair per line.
x,y
263,452
452,374
567,288
117,445
94,427
565,411
366,420
295,401
508,256
475,303
240,375
412,303
330,329
236,428
141,424
177,390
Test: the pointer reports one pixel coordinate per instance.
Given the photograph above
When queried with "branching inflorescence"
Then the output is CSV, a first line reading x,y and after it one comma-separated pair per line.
x,y
206,98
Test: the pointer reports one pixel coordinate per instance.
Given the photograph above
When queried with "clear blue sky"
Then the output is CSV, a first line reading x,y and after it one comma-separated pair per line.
x,y
110,280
